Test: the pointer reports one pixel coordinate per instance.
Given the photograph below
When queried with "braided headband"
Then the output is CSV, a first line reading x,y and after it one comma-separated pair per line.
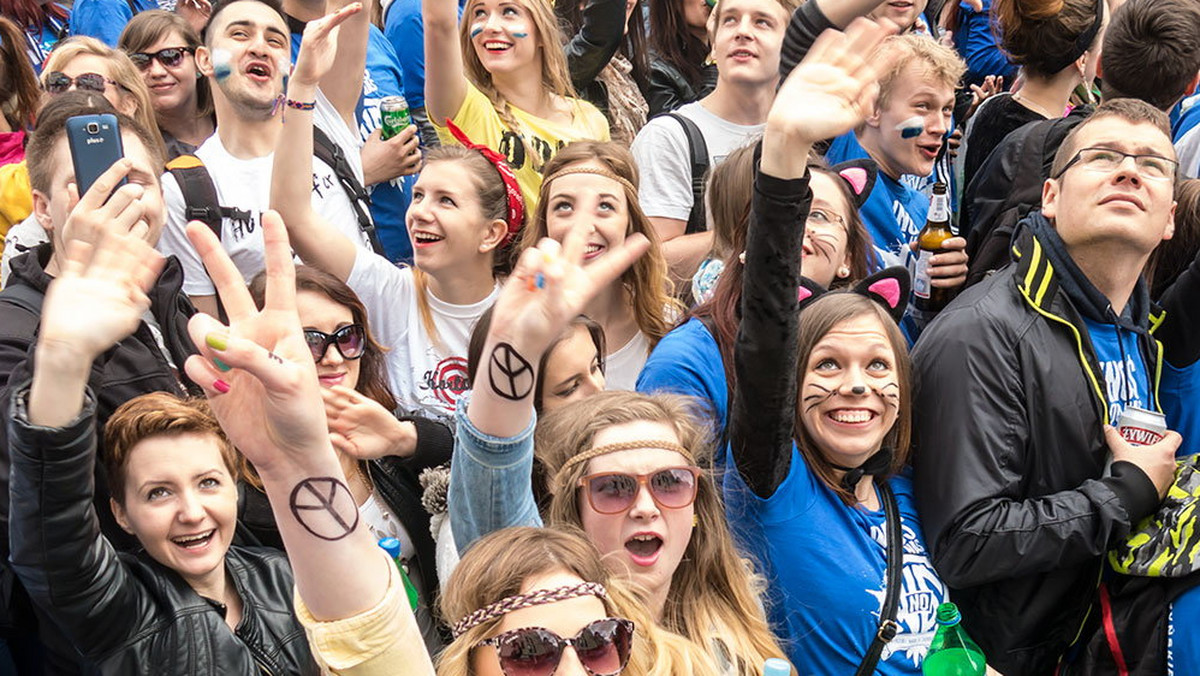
x,y
512,189
591,170
535,598
622,446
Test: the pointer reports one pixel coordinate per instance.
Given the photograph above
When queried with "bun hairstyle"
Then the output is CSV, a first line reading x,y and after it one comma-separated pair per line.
x,y
1046,36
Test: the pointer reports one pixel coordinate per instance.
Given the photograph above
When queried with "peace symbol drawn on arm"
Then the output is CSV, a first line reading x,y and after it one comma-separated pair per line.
x,y
324,495
511,376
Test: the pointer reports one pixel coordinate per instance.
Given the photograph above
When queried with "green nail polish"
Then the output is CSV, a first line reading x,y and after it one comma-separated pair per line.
x,y
221,366
217,341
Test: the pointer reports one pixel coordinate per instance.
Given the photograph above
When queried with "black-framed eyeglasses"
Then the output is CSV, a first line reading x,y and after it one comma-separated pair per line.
x,y
602,647
350,341
58,82
1153,167
169,57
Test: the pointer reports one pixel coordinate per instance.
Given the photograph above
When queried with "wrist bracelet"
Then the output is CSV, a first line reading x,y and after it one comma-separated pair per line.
x,y
301,105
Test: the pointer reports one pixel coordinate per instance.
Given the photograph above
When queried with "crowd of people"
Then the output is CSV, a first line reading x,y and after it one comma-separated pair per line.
x,y
617,355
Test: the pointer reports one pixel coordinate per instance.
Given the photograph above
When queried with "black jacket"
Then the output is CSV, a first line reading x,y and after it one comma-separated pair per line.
x,y
669,89
1011,453
127,613
590,50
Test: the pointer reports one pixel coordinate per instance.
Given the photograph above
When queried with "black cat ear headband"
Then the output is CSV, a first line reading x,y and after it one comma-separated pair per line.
x,y
889,288
860,175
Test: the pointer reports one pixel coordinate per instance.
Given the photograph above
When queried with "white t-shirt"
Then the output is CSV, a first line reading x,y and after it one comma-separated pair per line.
x,y
621,368
665,161
246,184
426,377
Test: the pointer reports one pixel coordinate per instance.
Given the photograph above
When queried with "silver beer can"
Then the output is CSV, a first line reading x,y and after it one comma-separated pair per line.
x,y
1141,427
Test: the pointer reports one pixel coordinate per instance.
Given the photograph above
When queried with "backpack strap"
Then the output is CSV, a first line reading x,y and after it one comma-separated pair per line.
x,y
200,194
330,153
699,156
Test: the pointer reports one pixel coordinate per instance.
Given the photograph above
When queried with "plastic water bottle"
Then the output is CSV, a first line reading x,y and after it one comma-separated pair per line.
x,y
776,667
952,652
392,547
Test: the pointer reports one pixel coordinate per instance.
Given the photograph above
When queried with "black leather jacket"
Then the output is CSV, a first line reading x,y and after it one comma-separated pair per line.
x,y
590,50
669,89
1010,476
124,612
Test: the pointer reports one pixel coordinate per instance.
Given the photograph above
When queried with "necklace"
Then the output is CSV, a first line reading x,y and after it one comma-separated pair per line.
x,y
1033,106
364,476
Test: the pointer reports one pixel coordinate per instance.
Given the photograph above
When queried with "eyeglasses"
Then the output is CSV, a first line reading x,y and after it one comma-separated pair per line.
x,y
59,82
1153,167
820,218
350,341
169,57
602,647
615,492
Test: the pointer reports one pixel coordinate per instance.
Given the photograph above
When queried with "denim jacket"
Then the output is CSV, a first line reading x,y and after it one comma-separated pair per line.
x,y
491,481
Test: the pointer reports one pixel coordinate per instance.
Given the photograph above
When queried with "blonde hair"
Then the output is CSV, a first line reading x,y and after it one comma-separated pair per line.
x,y
646,281
556,76
498,566
122,70
715,593
941,64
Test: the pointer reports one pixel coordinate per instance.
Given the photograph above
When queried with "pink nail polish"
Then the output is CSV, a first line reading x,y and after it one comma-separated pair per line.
x,y
221,386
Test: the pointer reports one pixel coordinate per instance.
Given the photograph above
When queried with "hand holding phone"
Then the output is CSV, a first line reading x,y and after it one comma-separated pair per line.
x,y
95,143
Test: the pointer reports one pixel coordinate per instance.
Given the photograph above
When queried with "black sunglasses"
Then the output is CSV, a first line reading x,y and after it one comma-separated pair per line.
x,y
602,647
58,82
169,57
350,341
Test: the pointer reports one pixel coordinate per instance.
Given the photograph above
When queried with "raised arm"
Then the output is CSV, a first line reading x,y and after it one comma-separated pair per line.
x,y
342,85
598,39
827,94
445,80
316,242
811,19
58,552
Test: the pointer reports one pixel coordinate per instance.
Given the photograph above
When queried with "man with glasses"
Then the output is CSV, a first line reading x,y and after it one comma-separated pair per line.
x,y
1022,485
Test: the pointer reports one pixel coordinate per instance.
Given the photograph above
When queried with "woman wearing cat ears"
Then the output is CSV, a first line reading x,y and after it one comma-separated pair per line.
x,y
820,422
503,79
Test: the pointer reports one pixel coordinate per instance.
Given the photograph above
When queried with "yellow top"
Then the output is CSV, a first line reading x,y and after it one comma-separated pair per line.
x,y
480,121
16,197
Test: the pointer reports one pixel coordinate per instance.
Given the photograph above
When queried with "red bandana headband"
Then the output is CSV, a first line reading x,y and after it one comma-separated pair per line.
x,y
516,200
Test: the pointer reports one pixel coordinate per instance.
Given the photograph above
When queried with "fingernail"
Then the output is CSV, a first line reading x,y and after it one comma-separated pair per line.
x,y
221,386
541,281
217,341
221,366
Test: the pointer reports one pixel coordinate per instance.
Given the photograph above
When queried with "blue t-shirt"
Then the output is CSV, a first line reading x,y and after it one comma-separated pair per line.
x,y
1183,641
105,19
826,566
405,29
1179,390
688,361
390,199
976,44
1126,376
1186,135
40,41
894,213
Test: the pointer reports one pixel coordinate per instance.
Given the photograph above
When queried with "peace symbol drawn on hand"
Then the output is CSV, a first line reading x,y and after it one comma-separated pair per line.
x,y
323,495
511,375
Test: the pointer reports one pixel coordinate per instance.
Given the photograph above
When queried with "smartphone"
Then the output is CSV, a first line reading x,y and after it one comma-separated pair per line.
x,y
95,142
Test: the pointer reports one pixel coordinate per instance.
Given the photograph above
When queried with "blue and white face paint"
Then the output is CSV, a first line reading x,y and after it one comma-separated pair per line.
x,y
912,127
222,62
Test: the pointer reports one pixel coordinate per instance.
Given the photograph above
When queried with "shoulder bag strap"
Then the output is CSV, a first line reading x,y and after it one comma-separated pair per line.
x,y
699,161
895,566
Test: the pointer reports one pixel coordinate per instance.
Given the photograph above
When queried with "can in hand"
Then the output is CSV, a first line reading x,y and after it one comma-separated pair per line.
x,y
393,112
1141,427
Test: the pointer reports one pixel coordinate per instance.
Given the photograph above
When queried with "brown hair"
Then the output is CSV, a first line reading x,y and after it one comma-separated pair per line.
x,y
147,28
730,188
124,73
499,565
1133,111
556,76
221,5
1174,256
646,281
1151,51
816,320
1040,34
941,64
52,120
725,305
372,373
160,414
714,592
19,94
674,43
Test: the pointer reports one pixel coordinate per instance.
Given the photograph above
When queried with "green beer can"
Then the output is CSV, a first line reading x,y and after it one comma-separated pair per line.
x,y
393,111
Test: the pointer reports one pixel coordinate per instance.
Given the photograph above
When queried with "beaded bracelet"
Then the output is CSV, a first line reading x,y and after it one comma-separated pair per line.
x,y
301,105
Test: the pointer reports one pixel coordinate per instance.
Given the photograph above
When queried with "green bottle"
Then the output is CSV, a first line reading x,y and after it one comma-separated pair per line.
x,y
392,547
952,652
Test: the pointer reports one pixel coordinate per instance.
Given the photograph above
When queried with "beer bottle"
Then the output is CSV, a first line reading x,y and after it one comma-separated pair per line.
x,y
776,667
952,652
927,298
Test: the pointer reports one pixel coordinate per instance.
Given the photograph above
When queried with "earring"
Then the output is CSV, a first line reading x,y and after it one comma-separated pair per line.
x,y
695,521
843,272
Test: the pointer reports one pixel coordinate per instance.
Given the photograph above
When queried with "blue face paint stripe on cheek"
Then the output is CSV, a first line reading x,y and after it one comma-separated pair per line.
x,y
912,127
520,35
476,30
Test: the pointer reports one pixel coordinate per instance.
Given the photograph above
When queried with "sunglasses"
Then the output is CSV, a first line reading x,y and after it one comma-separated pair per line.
x,y
169,57
59,82
602,647
615,492
350,341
